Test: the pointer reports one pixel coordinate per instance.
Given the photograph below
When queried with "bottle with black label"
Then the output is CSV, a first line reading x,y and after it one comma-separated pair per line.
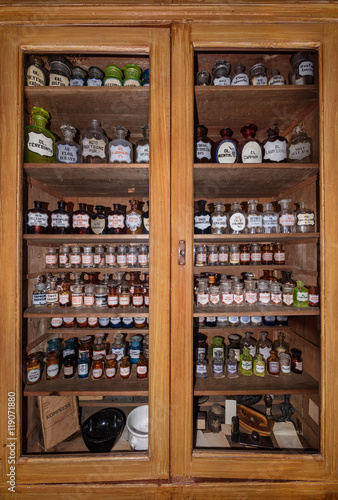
x,y
145,224
39,142
203,146
202,220
98,221
37,219
61,219
250,150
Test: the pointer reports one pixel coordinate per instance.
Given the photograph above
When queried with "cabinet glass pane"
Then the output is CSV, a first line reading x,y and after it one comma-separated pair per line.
x,y
233,247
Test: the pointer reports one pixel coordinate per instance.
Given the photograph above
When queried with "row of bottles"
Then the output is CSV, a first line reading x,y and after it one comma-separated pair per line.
x,y
240,321
62,73
237,221
301,73
116,322
94,147
82,221
274,149
254,254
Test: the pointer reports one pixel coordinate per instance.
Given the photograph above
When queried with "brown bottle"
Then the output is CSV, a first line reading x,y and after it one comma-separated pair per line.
x,y
134,219
203,146
37,219
81,220
142,367
125,367
116,220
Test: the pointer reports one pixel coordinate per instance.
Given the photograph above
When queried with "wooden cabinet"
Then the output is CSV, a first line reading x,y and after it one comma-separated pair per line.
x,y
175,42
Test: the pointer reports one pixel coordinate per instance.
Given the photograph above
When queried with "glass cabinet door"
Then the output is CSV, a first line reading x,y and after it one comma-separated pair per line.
x,y
94,290
252,349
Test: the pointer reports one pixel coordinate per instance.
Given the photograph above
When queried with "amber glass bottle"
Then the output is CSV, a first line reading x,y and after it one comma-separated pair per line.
x,y
116,220
81,220
61,219
37,219
98,221
203,146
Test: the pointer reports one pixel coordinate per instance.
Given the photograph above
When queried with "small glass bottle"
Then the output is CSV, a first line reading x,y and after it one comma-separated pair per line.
x,y
279,345
142,147
83,366
276,78
39,142
285,363
275,294
132,256
259,366
56,322
250,292
94,142
87,257
135,348
98,259
237,219
300,295
223,255
121,257
95,77
300,146
114,76
218,365
272,364
116,220
124,296
60,71
79,77
203,78
250,150
305,219
255,254
132,75
77,296
39,293
244,254
125,367
225,150
250,343
254,218
60,219
99,348
257,74
275,147
287,295
235,345
145,221
133,219
81,220
313,296
227,296
121,150
110,256
264,345
52,295
33,370
36,73
267,253
296,361
302,72
202,294
142,367
240,78
97,367
238,294
217,345
286,218
218,219
263,292
202,219
65,296
93,322
69,366
214,296
137,298
64,256
101,296
68,151
143,256
233,321
245,364
212,255
231,365
256,320
75,257
278,254
111,365
113,297
51,259
203,146
270,219
98,221
201,367
53,365
220,73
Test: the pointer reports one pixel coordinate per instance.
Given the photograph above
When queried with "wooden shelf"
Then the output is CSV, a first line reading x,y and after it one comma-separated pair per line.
x,y
112,106
246,180
222,269
84,239
255,310
89,387
281,106
284,384
100,179
256,238
86,270
84,312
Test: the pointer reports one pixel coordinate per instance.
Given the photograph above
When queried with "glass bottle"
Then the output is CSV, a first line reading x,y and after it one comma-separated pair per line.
x,y
245,363
300,295
121,257
201,367
263,292
244,254
132,75
60,219
313,296
99,347
272,364
98,256
98,367
240,78
51,259
53,365
110,368
225,150
236,219
65,296
269,320
81,220
79,77
69,366
94,142
36,73
95,77
305,219
218,365
285,363
218,219
118,347
39,142
39,293
98,221
64,256
279,345
300,146
276,78
124,296
132,256
264,345
142,146
68,151
202,219
296,361
270,219
301,72
114,76
133,219
256,320
254,218
116,220
52,295
276,294
275,147
223,255
227,296
121,150
220,73
217,345
145,222
77,296
135,348
83,366
278,254
33,370
259,366
286,218
203,146
257,74
214,296
267,253
142,367
255,254
101,296
125,367
250,292
75,256
37,219
287,295
212,255
250,150
202,294
235,345
60,71
238,294
203,78
231,365
250,343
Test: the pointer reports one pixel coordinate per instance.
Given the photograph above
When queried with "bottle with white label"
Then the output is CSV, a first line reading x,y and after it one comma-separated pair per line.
x,y
275,147
286,218
202,219
116,220
134,219
218,365
60,71
81,220
114,76
142,146
300,146
220,73
121,150
305,219
95,77
300,295
68,151
250,343
39,142
201,367
61,219
225,150
94,142
203,146
219,219
270,219
257,74
98,221
264,345
237,219
37,219
302,72
36,73
254,219
240,77
250,150
276,78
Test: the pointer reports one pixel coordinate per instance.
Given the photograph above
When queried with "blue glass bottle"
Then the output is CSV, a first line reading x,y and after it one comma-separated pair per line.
x,y
269,320
211,321
115,322
282,320
127,322
83,366
135,348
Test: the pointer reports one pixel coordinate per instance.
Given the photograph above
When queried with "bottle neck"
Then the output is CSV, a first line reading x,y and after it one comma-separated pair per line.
x,y
40,121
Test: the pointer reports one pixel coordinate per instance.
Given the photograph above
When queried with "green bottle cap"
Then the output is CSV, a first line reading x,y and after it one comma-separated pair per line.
x,y
40,111
114,71
132,71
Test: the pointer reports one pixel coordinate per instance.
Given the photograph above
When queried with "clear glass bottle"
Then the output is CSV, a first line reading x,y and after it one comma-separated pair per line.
x,y
234,255
75,256
119,346
300,295
60,219
68,151
285,363
52,295
223,255
275,294
245,363
278,254
218,365
280,345
36,73
270,219
39,293
81,220
240,78
238,294
250,343
231,365
51,259
212,255
255,254
305,219
201,367
203,78
87,257
202,219
132,256
254,218
287,295
276,78
95,77
203,146
202,293
250,150
264,345
263,292
220,72
302,72
286,218
225,150
275,147
77,296
256,320
101,296
257,74
39,142
237,219
98,221
94,143
65,296
64,256
218,219
79,77
214,296
121,150
300,146
227,296
142,146
250,292
134,219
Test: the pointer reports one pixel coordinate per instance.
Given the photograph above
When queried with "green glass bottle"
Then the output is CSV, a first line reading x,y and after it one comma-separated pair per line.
x,y
259,365
39,142
245,364
300,295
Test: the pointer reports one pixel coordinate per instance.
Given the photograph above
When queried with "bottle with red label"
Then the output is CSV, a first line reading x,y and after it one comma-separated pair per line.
x,y
134,219
81,220
286,218
37,219
203,146
121,150
142,367
116,220
61,219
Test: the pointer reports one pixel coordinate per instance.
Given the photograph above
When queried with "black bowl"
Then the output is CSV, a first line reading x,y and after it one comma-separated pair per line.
x,y
103,429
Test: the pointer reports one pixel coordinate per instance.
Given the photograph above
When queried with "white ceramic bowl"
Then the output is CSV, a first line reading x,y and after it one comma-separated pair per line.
x,y
137,425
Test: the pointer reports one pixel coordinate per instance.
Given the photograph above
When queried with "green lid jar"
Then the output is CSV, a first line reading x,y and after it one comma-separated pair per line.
x,y
114,76
132,75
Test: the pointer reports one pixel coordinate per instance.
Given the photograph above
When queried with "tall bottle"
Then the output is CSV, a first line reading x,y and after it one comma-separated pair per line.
x,y
81,220
203,146
225,150
270,219
250,150
275,147
116,220
202,220
37,219
145,224
94,144
300,146
98,221
142,147
121,150
254,218
39,142
286,218
237,219
305,219
61,219
68,151
218,219
133,219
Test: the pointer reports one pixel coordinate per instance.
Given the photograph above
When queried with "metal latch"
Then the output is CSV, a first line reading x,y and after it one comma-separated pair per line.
x,y
181,252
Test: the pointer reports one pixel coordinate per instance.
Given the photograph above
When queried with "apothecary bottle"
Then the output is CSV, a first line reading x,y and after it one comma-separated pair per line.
x,y
203,146
64,256
60,71
223,255
245,363
39,142
98,221
275,147
95,77
250,343
250,150
240,78
254,218
52,295
114,76
83,366
94,144
231,365
53,365
33,369
203,78
278,254
202,293
275,294
225,150
296,361
37,219
143,256
110,368
132,75
286,218
201,256
125,367
79,77
280,345
116,220
218,365
264,345
212,255
218,219
146,220
244,254
287,295
75,256
237,219
257,74
220,73
67,150
87,257
270,219
142,146
259,366
65,296
272,364
36,73
39,293
235,345
81,220
313,296
133,219
234,255
97,366
285,363
276,78
201,367
302,72
202,219
300,295
250,293
51,258
61,219
305,219
300,146
142,367
255,254
120,150
69,366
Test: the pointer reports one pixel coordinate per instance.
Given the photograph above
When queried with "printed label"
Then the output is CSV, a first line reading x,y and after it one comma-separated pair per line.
x,y
98,225
203,150
277,80
40,144
63,258
82,369
121,154
302,296
110,372
270,221
75,259
113,300
77,300
305,68
94,82
223,257
51,259
260,368
265,351
112,82
146,223
64,298
246,365
274,367
305,219
245,257
98,258
52,370
276,298
60,220
103,321
125,371
93,147
251,153
52,298
288,299
80,220
76,82
252,350
100,300
122,260
124,301
81,321
142,259
39,299
137,301
134,353
254,220
226,152
92,321
97,372
256,257
201,369
287,220
116,221
111,259
259,80
202,222
142,153
222,81
131,259
131,82
133,221
314,299
264,297
213,258
240,79
299,151
219,221
68,370
285,368
256,320
233,320
267,256
217,369
238,299
232,369
35,77
275,151
227,298
214,299
202,299
237,222
279,256
244,320
87,259
56,322
299,365
251,297
58,80
37,219
33,375
66,153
